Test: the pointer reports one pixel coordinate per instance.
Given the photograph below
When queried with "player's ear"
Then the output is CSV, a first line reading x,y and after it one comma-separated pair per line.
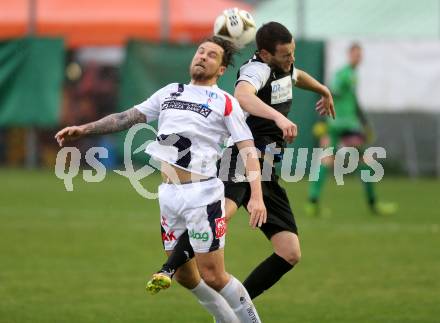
x,y
221,70
264,54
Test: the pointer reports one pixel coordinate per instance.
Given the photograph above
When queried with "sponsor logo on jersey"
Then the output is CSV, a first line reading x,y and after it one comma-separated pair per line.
x,y
211,95
202,109
168,236
204,236
220,227
281,90
175,94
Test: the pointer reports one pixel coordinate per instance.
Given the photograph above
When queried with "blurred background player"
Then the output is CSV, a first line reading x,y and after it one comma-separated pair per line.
x,y
264,89
349,129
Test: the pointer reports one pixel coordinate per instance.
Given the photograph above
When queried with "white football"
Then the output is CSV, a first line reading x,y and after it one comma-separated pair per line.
x,y
236,25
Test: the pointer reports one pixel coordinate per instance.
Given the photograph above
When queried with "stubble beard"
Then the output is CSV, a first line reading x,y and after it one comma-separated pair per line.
x,y
200,76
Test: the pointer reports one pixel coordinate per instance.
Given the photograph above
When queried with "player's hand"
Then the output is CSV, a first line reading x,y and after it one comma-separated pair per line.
x,y
69,134
289,129
257,212
325,106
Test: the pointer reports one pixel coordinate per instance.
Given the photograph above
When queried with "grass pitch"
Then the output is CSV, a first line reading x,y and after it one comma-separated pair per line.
x,y
84,256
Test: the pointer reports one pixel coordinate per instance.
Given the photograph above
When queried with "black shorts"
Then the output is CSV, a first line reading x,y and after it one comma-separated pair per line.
x,y
279,214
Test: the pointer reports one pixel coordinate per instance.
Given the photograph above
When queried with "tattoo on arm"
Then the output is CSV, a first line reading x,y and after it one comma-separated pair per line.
x,y
115,122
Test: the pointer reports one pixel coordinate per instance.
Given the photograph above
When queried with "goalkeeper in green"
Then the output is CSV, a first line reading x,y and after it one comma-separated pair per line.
x,y
349,129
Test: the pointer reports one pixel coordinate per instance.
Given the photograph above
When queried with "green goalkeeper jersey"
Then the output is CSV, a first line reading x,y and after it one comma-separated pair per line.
x,y
343,88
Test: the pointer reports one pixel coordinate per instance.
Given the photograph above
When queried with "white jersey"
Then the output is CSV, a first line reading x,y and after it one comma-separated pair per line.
x,y
194,121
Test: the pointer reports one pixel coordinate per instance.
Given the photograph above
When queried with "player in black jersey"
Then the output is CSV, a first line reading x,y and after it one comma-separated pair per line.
x,y
264,90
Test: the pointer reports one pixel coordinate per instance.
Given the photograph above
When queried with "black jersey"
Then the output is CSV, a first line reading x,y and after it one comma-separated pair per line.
x,y
274,87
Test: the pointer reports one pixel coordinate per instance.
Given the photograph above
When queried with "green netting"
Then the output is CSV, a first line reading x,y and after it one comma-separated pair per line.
x,y
31,77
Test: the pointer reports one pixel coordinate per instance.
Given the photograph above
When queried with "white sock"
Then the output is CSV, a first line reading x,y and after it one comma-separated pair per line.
x,y
237,296
214,303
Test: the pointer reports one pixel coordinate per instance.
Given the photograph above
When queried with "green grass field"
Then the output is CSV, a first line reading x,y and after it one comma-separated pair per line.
x,y
84,256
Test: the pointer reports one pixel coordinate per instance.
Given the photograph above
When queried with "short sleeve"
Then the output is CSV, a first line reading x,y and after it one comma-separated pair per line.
x,y
150,107
235,121
256,73
294,75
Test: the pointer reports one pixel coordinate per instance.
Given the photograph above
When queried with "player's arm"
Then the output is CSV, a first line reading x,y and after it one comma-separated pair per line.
x,y
146,110
112,123
241,135
325,105
245,93
255,207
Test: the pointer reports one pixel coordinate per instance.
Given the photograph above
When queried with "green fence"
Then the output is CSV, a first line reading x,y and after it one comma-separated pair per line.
x,y
31,78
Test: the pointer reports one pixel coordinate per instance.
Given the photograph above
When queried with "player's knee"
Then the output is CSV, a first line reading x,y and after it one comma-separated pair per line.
x,y
183,279
210,279
286,245
292,256
295,257
186,278
213,279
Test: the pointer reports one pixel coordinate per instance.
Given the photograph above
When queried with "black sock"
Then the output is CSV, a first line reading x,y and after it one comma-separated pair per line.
x,y
266,274
181,254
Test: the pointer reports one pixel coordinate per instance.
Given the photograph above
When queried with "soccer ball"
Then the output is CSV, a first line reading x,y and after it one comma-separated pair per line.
x,y
235,25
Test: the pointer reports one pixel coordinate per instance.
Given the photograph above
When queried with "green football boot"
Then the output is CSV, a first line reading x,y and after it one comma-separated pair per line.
x,y
158,282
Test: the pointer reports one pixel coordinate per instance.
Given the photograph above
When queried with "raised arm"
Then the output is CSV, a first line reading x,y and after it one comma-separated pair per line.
x,y
325,105
112,123
251,103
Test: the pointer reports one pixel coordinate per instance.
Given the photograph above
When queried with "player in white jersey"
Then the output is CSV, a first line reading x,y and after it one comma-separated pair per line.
x,y
193,121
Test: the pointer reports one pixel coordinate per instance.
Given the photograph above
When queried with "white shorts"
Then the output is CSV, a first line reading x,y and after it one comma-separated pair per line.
x,y
196,207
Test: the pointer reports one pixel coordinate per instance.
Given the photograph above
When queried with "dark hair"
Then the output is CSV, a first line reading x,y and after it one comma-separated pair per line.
x,y
272,34
229,49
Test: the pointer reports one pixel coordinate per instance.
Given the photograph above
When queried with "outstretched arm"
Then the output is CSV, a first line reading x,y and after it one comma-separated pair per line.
x,y
325,105
112,123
